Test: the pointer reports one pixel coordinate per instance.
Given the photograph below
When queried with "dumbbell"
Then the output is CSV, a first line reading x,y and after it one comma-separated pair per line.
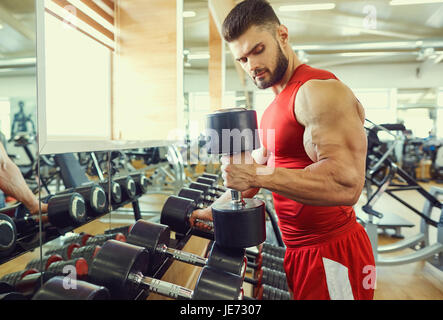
x,y
11,296
64,251
79,264
209,194
63,211
102,238
267,292
121,267
213,183
8,235
270,249
176,212
128,187
196,195
87,252
116,191
266,276
268,261
124,230
239,222
95,199
46,261
141,183
79,238
55,289
155,239
30,284
12,278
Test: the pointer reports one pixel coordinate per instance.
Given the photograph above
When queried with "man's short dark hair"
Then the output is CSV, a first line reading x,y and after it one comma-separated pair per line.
x,y
247,14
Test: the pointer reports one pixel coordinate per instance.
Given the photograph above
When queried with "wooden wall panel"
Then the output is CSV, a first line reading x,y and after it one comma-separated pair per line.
x,y
146,65
216,66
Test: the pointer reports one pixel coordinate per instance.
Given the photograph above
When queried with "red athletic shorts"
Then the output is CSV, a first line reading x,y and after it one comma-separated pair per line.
x,y
341,268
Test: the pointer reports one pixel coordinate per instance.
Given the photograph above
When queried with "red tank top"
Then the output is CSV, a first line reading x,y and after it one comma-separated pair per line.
x,y
300,224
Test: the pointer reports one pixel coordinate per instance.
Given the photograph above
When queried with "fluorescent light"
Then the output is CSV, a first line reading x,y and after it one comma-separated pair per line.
x,y
367,54
199,56
1,26
406,2
308,7
189,14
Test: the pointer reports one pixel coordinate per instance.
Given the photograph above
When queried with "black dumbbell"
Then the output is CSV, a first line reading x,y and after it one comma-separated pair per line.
x,y
11,296
79,238
8,235
128,187
55,289
78,265
141,183
215,188
268,277
197,196
121,267
270,293
64,251
115,189
124,230
102,238
239,222
13,277
156,237
30,284
176,212
95,198
267,248
87,252
46,261
210,194
269,261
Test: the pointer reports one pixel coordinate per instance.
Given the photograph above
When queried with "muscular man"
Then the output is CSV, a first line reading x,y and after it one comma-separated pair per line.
x,y
13,184
317,160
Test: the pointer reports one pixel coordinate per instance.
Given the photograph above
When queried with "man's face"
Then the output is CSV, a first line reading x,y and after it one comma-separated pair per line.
x,y
260,55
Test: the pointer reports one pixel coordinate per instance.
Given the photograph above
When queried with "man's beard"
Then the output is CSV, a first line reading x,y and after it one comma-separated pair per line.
x,y
277,74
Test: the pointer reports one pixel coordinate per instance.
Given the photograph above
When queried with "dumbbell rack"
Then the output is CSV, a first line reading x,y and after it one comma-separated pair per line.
x,y
31,241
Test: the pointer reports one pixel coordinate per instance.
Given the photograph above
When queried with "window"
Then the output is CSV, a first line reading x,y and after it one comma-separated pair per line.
x,y
5,118
78,87
379,104
199,107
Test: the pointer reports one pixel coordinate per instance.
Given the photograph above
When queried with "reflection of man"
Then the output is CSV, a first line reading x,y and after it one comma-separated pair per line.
x,y
13,184
319,155
20,121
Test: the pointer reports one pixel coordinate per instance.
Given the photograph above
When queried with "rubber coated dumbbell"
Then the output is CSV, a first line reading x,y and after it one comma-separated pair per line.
x,y
46,261
121,267
128,187
12,278
113,191
213,183
55,289
30,284
8,235
141,183
270,293
94,196
196,195
268,277
239,222
79,266
268,248
123,230
102,238
266,260
156,237
79,238
176,212
87,252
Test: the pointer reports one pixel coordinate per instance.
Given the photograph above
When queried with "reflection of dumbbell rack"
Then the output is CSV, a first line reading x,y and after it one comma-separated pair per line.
x,y
30,240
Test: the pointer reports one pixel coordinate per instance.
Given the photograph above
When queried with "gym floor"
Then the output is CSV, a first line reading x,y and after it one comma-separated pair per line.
x,y
413,281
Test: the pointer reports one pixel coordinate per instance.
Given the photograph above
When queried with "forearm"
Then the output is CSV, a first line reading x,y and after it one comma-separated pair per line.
x,y
324,183
225,197
13,184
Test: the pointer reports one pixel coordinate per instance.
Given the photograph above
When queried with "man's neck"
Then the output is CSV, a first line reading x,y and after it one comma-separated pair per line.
x,y
293,63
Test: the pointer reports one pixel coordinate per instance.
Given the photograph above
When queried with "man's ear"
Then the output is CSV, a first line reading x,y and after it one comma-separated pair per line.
x,y
283,35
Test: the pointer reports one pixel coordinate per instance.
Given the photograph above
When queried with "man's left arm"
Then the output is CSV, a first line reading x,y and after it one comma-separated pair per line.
x,y
334,139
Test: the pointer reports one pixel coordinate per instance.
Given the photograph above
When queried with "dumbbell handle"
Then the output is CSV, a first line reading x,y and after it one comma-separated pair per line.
x,y
237,199
161,287
183,256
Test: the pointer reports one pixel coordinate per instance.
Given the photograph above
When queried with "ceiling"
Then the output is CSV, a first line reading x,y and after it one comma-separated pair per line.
x,y
352,32
17,37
